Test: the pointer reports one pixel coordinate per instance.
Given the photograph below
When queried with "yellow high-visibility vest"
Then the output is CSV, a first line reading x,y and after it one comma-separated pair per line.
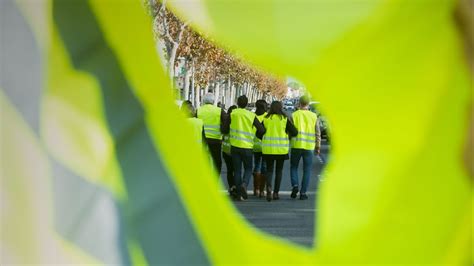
x,y
305,122
114,143
275,140
226,144
257,143
197,128
241,128
211,117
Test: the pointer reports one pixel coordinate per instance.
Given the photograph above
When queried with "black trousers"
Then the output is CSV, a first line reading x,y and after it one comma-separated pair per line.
x,y
215,148
278,172
230,169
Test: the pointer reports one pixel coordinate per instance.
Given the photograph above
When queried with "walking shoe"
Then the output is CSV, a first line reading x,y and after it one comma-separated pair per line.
x,y
269,193
261,184
239,198
275,196
243,191
233,192
303,196
256,180
294,191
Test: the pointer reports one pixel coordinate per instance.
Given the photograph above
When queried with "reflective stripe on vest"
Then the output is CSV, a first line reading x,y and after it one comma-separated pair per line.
x,y
275,140
257,143
305,123
241,128
226,144
211,117
197,128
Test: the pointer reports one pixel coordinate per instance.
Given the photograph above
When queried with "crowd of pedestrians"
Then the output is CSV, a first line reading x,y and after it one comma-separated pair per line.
x,y
257,144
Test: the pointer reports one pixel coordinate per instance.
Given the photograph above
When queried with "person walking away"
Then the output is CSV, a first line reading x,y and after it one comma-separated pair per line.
x,y
214,119
276,145
259,164
228,158
303,146
242,123
198,128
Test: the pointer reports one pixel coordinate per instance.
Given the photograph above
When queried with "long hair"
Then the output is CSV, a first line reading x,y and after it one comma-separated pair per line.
x,y
187,106
276,108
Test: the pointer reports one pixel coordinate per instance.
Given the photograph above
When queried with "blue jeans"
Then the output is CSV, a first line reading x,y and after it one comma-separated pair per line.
x,y
259,165
296,155
241,156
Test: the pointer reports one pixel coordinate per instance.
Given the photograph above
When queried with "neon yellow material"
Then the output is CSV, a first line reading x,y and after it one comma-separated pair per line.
x,y
305,122
211,116
145,79
27,223
136,253
394,64
257,143
275,141
226,144
242,131
388,72
73,127
197,128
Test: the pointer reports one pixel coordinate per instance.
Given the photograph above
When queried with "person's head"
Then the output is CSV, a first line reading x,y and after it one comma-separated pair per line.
x,y
187,106
260,107
219,104
242,101
229,111
304,101
208,98
276,108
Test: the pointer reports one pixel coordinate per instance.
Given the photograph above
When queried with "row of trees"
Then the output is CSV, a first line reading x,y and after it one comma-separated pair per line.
x,y
196,65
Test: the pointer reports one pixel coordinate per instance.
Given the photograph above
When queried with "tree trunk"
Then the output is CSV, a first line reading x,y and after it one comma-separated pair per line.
x,y
252,94
249,93
216,93
172,54
193,91
228,100
187,80
233,92
229,89
171,63
161,49
197,98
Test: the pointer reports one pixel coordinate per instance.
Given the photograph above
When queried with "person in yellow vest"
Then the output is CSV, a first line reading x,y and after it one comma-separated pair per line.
x,y
276,145
198,128
214,119
259,164
303,146
243,125
228,158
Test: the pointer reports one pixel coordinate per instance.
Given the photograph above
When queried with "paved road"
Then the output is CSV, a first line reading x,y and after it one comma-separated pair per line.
x,y
287,218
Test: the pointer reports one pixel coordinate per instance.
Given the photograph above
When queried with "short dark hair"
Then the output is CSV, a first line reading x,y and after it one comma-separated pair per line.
x,y
242,101
304,100
261,105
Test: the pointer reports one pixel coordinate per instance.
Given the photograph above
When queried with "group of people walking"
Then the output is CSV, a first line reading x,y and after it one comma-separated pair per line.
x,y
258,143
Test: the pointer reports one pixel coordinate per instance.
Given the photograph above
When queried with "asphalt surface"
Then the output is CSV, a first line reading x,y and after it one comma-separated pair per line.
x,y
288,218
